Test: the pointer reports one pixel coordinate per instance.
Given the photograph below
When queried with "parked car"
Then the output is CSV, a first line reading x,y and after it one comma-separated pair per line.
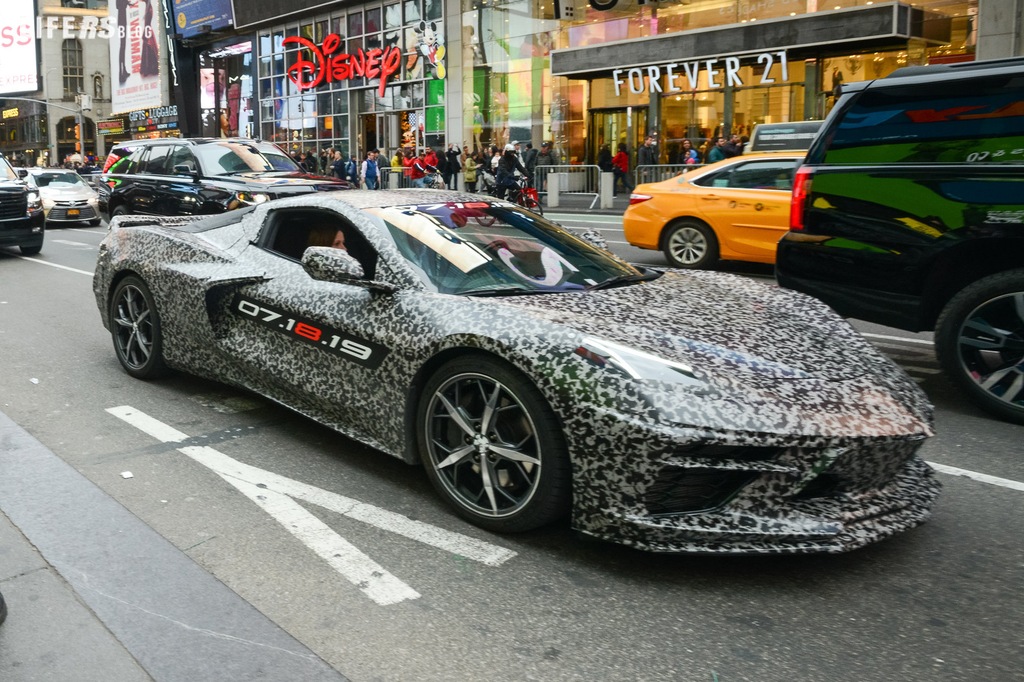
x,y
177,176
65,195
909,212
532,373
736,209
21,211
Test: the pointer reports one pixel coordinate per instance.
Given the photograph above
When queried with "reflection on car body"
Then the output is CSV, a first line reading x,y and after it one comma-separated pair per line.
x,y
532,373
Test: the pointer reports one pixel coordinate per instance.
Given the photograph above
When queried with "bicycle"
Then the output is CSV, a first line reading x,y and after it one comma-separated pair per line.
x,y
524,194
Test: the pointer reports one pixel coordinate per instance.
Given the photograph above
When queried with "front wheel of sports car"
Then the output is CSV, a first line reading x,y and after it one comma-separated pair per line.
x,y
979,339
135,329
492,446
691,244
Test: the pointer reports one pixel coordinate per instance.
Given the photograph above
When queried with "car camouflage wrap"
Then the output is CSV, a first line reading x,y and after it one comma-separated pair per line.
x,y
695,411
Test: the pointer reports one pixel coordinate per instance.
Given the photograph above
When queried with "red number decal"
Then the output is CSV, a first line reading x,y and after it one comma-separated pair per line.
x,y
303,329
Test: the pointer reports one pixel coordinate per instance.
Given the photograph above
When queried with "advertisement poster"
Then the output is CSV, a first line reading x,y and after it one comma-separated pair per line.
x,y
135,47
192,17
19,67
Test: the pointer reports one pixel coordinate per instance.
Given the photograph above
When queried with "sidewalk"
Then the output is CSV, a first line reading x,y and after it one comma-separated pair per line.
x,y
94,594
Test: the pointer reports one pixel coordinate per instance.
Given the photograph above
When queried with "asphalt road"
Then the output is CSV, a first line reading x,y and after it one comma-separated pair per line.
x,y
942,602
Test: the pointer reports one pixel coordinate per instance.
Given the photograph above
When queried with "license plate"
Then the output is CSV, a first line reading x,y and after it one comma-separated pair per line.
x,y
73,211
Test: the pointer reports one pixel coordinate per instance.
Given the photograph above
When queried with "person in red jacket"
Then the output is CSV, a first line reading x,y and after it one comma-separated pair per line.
x,y
407,163
620,169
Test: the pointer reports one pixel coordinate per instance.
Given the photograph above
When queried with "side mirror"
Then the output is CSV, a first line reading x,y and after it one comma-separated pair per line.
x,y
22,173
185,169
328,264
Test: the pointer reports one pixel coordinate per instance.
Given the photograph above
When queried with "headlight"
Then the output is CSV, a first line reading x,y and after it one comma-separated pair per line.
x,y
635,363
33,201
250,198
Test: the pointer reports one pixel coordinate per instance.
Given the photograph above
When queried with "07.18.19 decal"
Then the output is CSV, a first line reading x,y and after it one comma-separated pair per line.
x,y
363,352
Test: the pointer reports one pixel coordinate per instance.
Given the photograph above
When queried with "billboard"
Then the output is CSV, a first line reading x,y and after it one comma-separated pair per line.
x,y
19,65
193,17
136,45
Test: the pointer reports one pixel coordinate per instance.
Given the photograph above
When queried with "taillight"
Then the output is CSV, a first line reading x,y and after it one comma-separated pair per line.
x,y
801,188
639,198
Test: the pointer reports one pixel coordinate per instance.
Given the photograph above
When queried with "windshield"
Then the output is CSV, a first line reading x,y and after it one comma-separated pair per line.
x,y
6,172
227,158
494,247
58,179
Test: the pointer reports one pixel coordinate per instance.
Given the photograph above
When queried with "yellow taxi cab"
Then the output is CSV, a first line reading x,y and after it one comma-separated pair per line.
x,y
735,209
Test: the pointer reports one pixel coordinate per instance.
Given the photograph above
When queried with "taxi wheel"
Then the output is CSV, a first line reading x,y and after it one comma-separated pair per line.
x,y
492,447
690,244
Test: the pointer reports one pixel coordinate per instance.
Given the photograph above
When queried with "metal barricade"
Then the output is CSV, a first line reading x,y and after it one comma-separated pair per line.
x,y
658,173
573,180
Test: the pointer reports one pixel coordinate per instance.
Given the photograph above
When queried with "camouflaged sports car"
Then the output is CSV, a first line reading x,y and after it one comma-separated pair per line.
x,y
532,373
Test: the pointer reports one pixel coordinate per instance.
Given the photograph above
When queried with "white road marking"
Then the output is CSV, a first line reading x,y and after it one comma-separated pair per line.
x,y
973,475
55,265
276,494
901,339
68,242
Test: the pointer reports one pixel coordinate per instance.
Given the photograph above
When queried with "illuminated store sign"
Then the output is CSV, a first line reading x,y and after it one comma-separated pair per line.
x,y
720,72
330,67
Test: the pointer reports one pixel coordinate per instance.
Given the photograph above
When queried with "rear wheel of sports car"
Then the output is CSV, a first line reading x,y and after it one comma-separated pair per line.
x,y
691,244
979,339
492,446
135,329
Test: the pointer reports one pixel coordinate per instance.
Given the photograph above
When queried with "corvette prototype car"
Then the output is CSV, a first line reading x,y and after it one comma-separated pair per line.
x,y
532,373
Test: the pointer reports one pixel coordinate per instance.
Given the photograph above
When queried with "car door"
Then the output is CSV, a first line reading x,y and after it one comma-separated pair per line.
x,y
318,346
748,206
137,188
175,193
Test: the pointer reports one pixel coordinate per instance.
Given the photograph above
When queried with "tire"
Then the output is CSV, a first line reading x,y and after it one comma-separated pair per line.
x,y
120,210
532,204
522,447
691,244
136,331
30,250
979,340
95,222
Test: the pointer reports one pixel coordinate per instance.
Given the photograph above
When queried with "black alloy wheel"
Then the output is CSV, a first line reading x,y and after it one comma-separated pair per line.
x,y
135,329
979,340
690,244
492,446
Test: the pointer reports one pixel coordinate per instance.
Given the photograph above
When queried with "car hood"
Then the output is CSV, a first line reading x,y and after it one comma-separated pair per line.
x,y
66,193
712,322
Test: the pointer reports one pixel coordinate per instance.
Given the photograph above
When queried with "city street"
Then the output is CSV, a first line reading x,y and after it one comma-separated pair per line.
x,y
449,601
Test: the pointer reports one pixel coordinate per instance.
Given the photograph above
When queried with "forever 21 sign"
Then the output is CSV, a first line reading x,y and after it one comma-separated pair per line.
x,y
720,72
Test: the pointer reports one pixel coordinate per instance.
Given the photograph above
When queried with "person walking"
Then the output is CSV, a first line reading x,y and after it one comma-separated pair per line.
x,y
647,155
717,152
352,171
338,166
530,162
546,157
620,169
368,172
472,161
454,167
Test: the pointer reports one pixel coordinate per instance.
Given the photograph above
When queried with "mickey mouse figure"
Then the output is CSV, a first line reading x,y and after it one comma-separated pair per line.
x,y
429,45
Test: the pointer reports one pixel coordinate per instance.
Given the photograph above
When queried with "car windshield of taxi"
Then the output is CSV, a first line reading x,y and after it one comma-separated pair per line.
x,y
736,209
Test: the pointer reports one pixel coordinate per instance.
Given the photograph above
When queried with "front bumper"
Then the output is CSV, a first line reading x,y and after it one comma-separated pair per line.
x,y
27,231
688,491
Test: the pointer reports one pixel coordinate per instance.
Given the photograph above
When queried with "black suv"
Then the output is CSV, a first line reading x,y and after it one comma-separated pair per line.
x,y
176,176
21,211
909,212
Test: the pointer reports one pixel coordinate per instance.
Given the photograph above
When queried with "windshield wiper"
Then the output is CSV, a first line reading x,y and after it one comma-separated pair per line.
x,y
621,280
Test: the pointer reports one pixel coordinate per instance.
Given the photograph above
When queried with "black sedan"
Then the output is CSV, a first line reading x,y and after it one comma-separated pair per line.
x,y
532,373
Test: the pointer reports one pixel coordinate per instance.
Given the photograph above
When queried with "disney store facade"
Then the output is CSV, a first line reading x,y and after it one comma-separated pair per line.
x,y
315,74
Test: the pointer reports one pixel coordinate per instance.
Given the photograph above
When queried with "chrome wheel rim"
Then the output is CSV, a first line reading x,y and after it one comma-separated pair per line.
x,y
688,245
991,348
133,334
483,445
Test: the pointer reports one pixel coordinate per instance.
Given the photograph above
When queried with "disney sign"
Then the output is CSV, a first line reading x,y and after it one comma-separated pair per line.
x,y
330,67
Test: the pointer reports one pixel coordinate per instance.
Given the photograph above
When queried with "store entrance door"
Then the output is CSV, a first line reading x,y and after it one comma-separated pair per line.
x,y
613,126
382,131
